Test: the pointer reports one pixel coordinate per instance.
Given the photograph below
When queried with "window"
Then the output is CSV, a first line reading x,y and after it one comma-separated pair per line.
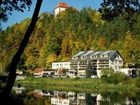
x,y
120,62
102,56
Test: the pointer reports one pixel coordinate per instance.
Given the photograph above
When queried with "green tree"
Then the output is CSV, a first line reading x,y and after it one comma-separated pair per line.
x,y
89,70
130,50
114,8
111,76
8,6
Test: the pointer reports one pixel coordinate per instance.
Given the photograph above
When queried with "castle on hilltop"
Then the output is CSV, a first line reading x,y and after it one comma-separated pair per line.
x,y
61,6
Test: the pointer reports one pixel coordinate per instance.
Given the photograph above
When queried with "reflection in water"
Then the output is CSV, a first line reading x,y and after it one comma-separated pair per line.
x,y
44,97
18,89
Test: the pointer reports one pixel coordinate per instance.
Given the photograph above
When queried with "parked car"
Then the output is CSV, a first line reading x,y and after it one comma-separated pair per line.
x,y
82,76
94,76
56,76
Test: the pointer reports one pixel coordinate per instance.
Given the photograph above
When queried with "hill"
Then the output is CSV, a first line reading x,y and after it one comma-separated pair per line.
x,y
59,38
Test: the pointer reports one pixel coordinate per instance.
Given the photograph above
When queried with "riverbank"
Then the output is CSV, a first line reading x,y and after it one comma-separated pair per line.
x,y
81,84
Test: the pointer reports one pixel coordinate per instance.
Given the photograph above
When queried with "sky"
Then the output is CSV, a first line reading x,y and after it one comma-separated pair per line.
x,y
49,5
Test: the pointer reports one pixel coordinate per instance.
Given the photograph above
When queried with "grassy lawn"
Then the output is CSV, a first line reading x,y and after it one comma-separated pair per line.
x,y
83,84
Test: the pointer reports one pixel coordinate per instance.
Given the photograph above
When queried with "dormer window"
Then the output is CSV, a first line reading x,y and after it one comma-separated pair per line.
x,y
102,56
74,57
82,57
93,56
85,56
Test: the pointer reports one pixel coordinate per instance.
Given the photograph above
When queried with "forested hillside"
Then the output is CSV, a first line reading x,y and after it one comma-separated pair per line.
x,y
59,38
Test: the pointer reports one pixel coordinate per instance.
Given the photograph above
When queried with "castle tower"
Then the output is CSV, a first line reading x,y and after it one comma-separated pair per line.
x,y
61,6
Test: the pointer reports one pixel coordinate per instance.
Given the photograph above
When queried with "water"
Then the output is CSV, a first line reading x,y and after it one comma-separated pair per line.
x,y
47,97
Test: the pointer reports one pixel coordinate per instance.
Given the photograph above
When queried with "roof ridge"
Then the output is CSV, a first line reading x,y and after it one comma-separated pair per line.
x,y
62,4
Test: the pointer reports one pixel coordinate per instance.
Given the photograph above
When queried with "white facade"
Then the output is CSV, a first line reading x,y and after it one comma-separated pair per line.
x,y
99,60
58,101
60,65
116,65
58,10
61,6
126,71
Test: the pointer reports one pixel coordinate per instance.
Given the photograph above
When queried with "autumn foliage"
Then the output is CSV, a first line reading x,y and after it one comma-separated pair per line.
x,y
59,38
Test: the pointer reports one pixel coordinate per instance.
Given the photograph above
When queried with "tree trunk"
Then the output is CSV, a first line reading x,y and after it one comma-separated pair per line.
x,y
13,65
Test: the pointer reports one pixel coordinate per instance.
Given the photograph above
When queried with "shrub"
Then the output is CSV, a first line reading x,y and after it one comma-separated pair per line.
x,y
137,82
110,76
77,78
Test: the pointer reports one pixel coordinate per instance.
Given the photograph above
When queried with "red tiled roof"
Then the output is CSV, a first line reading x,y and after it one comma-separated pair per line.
x,y
38,70
62,4
37,94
